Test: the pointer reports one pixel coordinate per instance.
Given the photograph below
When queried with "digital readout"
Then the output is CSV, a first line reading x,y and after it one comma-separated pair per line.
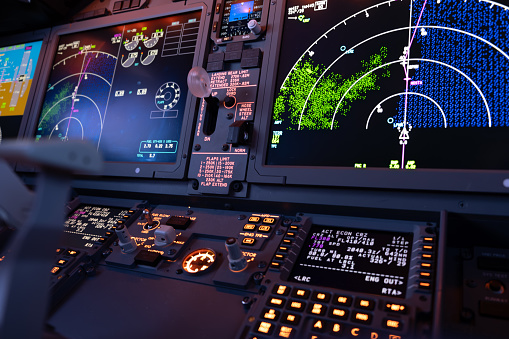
x,y
356,260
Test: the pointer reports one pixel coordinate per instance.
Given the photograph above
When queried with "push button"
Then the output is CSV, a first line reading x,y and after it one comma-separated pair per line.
x,y
55,270
296,305
319,326
265,328
363,318
254,219
317,309
62,262
60,250
281,290
271,314
283,249
285,332
338,313
264,229
397,308
392,324
248,241
72,253
269,221
300,293
249,227
276,302
366,304
342,300
290,318
321,296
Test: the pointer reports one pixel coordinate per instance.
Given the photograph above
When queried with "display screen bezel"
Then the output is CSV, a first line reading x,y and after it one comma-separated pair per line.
x,y
418,179
134,169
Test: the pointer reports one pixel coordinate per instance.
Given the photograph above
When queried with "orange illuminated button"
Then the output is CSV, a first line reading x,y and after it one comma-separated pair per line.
x,y
291,234
425,285
426,265
264,228
317,309
428,239
300,293
397,308
296,305
275,264
425,275
361,317
294,227
319,325
254,219
392,324
366,304
265,327
248,241
62,262
56,269
287,241
279,257
271,314
285,332
281,290
321,296
290,318
427,247
338,313
336,328
72,253
60,250
426,256
249,227
276,302
283,248
269,221
342,300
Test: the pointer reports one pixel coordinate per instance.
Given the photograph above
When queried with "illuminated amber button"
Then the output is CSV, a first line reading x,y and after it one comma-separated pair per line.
x,y
366,304
300,293
397,308
248,241
271,314
294,227
286,332
321,296
254,219
56,269
290,318
317,309
425,285
249,227
281,290
264,229
275,264
265,327
392,324
296,305
269,221
279,257
276,302
425,275
338,313
427,256
363,318
428,239
60,250
426,265
72,253
319,325
427,247
291,234
287,241
62,262
342,300
336,328
283,249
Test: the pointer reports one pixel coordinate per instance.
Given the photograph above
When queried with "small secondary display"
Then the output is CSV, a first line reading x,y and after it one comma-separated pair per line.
x,y
17,68
123,88
237,14
356,260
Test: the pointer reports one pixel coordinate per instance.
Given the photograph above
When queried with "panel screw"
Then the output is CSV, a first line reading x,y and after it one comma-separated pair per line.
x,y
225,147
197,147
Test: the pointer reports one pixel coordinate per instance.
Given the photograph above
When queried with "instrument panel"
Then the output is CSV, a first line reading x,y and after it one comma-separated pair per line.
x,y
331,169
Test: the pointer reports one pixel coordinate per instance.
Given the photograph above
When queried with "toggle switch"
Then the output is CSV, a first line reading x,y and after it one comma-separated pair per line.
x,y
148,217
236,258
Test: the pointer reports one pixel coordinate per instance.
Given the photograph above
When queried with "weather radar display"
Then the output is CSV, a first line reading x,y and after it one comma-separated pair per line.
x,y
17,68
400,85
123,88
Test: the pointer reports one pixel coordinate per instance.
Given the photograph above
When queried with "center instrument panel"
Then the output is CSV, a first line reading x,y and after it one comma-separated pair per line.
x,y
331,169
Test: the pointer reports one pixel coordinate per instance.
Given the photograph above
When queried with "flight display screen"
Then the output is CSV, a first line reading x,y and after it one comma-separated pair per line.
x,y
17,69
123,88
403,85
356,260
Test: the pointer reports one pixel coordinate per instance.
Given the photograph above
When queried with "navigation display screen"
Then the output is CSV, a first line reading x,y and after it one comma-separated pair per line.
x,y
403,85
17,68
123,88
356,260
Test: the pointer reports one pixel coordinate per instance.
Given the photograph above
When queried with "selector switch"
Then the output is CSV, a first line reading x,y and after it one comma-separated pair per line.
x,y
229,102
236,258
164,235
125,241
148,217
